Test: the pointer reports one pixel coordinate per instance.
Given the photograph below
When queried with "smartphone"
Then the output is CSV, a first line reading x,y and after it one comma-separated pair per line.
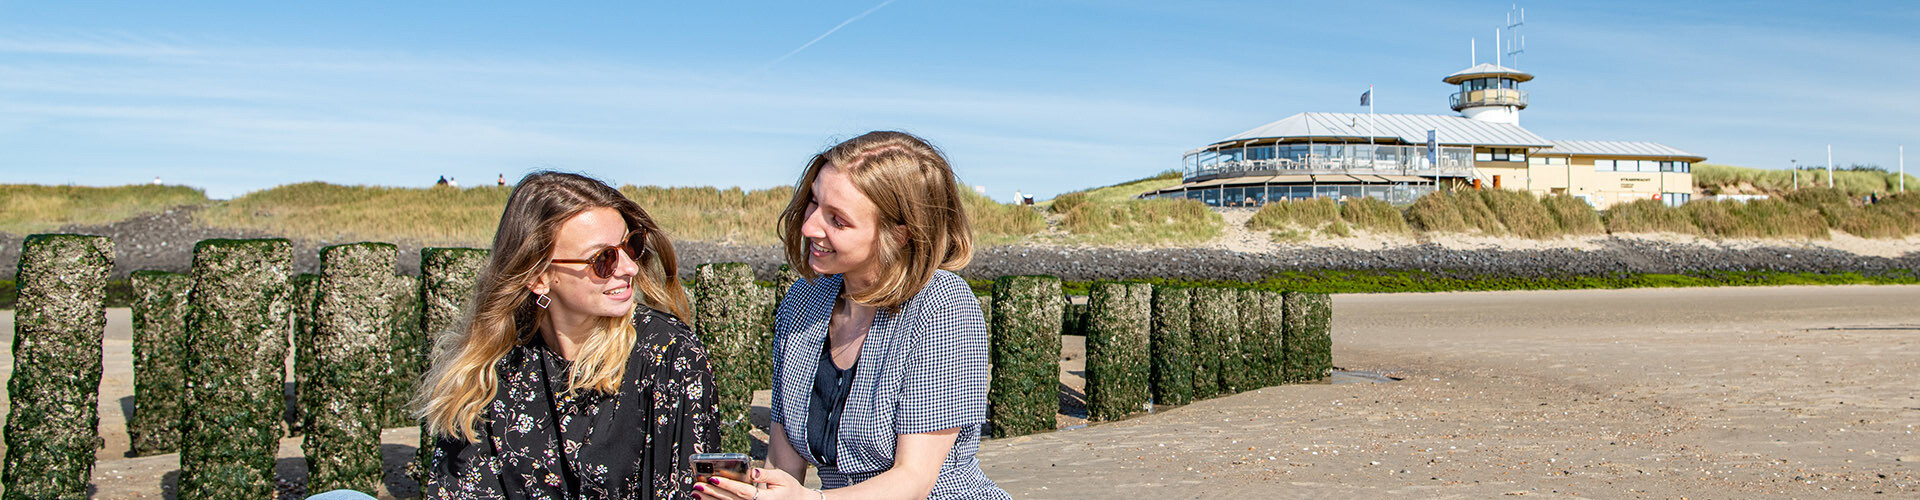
x,y
728,465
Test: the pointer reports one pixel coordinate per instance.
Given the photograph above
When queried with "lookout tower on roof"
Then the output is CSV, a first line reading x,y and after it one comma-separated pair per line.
x,y
1490,92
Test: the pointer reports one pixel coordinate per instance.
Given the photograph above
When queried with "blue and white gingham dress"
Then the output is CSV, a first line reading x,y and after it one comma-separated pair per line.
x,y
922,369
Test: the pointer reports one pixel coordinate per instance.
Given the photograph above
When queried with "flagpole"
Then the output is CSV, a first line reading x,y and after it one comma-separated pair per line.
x,y
1370,126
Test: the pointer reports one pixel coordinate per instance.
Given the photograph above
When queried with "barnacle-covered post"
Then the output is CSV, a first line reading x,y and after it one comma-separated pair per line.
x,y
448,277
236,358
729,321
159,312
60,318
1213,318
1309,339
1251,341
345,394
1024,394
1172,363
1273,354
1119,322
403,363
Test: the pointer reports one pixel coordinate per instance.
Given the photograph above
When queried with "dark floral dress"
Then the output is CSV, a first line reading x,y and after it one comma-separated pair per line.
x,y
538,441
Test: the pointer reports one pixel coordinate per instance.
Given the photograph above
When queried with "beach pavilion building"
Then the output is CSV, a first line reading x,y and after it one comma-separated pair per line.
x,y
1399,157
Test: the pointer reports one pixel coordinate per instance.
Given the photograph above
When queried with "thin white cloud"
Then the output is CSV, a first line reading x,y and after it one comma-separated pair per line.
x,y
823,36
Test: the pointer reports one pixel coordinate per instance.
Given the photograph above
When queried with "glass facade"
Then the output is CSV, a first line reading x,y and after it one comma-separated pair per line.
x,y
1255,196
1275,159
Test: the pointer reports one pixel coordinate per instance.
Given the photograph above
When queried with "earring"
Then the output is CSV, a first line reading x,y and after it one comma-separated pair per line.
x,y
542,301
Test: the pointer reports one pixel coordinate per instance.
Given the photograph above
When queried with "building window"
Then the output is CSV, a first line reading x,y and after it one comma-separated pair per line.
x,y
1603,165
1502,154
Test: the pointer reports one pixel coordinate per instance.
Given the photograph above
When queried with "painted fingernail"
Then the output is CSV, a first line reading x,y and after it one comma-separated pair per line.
x,y
714,480
699,487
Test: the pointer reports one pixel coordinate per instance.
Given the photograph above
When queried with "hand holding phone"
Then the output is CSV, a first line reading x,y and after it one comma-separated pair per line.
x,y
728,465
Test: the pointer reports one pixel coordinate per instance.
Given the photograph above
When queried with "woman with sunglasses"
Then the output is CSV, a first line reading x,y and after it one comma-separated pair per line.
x,y
575,374
880,355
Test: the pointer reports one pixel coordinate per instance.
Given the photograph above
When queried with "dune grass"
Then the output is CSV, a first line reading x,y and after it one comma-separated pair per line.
x,y
1454,212
438,215
1152,222
1855,181
1649,216
1115,193
730,215
1374,215
1111,215
1310,214
1573,215
30,208
467,217
996,223
1291,218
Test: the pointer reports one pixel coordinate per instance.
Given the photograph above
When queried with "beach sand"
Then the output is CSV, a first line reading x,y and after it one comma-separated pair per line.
x,y
1804,392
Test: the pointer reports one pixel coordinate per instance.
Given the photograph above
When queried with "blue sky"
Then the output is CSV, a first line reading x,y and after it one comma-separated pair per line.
x,y
1044,97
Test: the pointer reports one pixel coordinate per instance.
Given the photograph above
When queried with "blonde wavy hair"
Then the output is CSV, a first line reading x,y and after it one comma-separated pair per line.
x,y
463,378
914,188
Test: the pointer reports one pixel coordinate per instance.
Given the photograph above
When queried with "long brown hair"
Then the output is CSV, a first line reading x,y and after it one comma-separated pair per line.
x,y
913,187
462,380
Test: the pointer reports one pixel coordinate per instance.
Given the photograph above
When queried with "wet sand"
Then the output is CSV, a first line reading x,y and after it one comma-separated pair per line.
x,y
1803,392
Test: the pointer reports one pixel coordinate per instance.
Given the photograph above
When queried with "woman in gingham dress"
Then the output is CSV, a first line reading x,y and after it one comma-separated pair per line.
x,y
880,354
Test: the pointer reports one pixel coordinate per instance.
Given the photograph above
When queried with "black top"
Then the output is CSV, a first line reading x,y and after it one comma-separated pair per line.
x,y
830,388
537,440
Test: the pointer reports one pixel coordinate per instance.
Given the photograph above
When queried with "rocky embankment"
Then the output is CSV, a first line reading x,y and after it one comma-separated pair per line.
x,y
165,241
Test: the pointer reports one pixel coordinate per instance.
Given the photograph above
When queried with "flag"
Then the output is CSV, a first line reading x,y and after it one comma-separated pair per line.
x,y
1366,96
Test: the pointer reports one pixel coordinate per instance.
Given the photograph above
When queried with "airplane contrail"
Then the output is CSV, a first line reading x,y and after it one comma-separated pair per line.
x,y
823,36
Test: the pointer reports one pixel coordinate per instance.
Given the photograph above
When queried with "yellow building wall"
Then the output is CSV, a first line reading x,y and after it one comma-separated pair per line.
x,y
1513,174
1605,189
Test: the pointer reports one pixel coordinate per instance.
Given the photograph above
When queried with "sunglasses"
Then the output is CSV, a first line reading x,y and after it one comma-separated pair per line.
x,y
603,261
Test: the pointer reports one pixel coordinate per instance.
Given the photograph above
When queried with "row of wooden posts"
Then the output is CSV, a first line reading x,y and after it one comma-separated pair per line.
x,y
210,349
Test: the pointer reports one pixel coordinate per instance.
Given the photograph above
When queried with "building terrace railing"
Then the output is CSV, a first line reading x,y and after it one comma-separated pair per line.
x,y
1333,159
1488,97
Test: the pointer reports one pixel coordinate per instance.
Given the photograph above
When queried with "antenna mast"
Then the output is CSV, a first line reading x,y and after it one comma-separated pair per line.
x,y
1515,19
